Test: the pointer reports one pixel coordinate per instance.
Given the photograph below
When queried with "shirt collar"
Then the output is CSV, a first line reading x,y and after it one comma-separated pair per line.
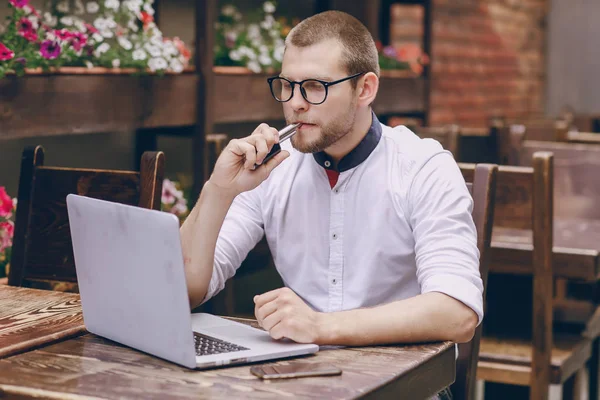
x,y
359,154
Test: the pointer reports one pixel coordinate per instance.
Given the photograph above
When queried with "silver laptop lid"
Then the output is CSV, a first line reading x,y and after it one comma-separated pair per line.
x,y
131,277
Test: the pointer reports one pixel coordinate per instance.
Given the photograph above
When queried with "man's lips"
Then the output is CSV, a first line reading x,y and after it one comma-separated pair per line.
x,y
305,125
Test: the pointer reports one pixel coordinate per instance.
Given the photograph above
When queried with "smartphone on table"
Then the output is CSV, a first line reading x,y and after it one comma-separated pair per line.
x,y
294,370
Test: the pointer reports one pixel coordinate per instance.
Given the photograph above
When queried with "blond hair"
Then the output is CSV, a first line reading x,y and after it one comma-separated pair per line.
x,y
359,51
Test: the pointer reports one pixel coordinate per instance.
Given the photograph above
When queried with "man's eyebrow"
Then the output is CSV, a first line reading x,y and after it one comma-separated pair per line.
x,y
319,77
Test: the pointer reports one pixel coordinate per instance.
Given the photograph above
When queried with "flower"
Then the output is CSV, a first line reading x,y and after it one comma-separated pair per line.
x,y
6,203
63,34
92,7
19,3
50,49
78,40
112,4
157,63
5,53
63,6
113,37
269,7
173,199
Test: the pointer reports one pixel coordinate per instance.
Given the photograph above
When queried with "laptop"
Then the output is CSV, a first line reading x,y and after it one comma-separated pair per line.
x,y
131,281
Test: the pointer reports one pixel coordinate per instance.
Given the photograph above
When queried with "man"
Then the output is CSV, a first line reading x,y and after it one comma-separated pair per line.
x,y
370,227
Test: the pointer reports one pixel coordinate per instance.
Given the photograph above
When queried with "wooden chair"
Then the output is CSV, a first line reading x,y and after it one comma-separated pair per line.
x,y
42,252
481,180
524,200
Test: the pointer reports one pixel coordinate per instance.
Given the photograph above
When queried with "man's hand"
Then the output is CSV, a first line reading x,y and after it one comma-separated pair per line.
x,y
284,315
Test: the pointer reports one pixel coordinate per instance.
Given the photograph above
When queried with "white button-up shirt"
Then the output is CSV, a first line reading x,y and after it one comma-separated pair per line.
x,y
397,223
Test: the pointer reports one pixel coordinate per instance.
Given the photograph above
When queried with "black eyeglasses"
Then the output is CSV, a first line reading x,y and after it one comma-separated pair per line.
x,y
313,90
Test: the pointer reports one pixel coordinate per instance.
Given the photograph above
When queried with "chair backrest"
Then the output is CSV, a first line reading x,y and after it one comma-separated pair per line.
x,y
448,136
524,200
42,253
481,181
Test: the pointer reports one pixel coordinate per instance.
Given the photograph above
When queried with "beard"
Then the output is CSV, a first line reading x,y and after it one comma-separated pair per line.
x,y
330,132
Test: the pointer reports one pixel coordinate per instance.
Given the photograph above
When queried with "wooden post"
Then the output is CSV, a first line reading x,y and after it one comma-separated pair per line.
x,y
205,16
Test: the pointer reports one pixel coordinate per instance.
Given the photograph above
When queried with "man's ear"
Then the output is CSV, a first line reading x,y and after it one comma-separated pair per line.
x,y
368,89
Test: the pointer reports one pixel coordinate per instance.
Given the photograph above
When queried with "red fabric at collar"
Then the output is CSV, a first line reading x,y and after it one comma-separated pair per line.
x,y
333,177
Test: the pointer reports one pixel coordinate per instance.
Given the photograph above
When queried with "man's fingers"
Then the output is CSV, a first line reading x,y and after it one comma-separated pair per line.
x,y
263,312
272,320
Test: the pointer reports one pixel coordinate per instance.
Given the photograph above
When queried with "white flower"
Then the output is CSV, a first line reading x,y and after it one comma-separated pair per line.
x,y
157,63
133,6
116,63
235,55
274,33
50,20
269,7
176,66
103,24
253,66
228,10
125,43
264,59
107,33
278,53
253,31
27,9
79,7
149,9
92,7
153,50
63,6
50,36
156,40
80,26
34,21
170,50
139,55
98,37
67,21
112,4
237,16
89,65
268,22
263,49
133,26
103,48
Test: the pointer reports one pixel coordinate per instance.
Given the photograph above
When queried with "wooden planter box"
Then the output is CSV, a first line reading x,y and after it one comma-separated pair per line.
x,y
83,101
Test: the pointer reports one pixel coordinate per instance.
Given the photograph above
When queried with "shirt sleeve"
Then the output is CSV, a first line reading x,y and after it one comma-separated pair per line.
x,y
447,256
242,229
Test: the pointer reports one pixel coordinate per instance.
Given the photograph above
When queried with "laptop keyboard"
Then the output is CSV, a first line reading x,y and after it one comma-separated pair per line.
x,y
207,345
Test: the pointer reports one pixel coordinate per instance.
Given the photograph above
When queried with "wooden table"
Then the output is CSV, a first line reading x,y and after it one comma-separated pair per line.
x,y
576,249
90,366
31,318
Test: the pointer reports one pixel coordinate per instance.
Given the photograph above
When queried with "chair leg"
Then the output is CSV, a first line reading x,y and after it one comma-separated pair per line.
x,y
579,387
479,389
594,369
555,392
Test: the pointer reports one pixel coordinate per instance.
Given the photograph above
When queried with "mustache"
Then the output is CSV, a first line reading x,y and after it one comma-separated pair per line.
x,y
294,119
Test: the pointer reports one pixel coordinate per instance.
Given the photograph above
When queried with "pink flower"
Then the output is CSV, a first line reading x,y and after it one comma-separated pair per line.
x,y
7,231
50,49
63,34
25,29
78,40
170,193
6,203
19,3
5,55
91,29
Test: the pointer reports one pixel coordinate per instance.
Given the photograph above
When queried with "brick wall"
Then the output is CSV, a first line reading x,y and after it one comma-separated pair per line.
x,y
487,57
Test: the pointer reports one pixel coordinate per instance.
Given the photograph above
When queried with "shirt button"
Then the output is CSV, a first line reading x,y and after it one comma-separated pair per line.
x,y
334,281
336,190
328,164
335,236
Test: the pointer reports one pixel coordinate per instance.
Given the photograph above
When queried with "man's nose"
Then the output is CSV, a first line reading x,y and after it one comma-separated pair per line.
x,y
298,102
